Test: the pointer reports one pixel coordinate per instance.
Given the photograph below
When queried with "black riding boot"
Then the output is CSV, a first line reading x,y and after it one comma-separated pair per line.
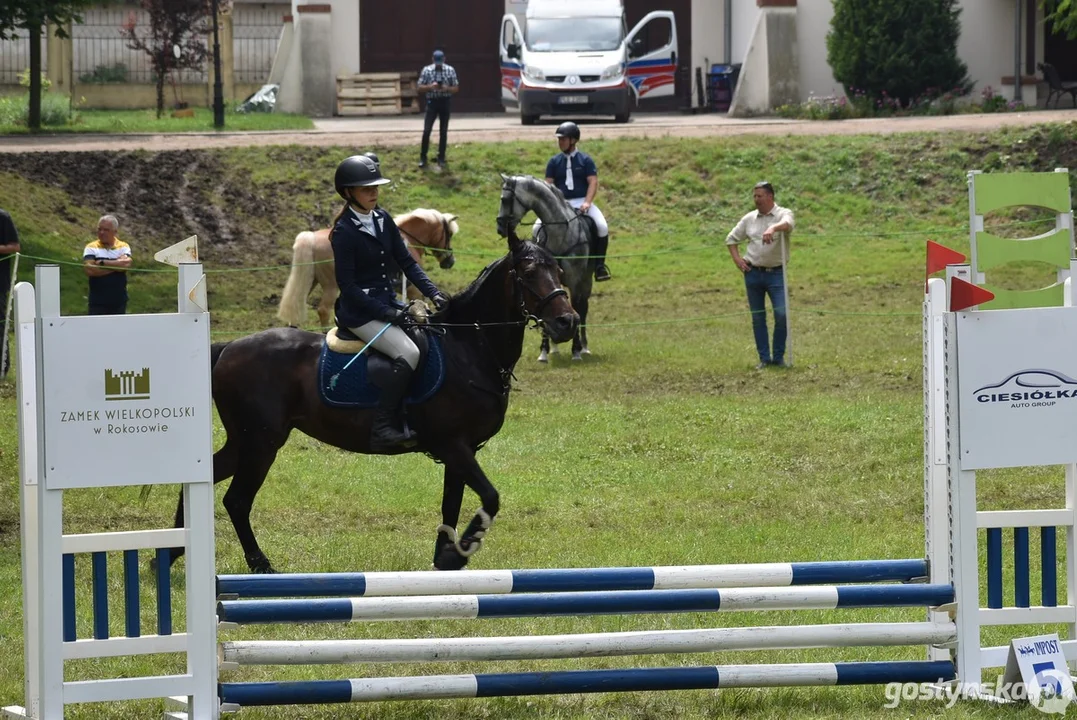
x,y
602,273
388,429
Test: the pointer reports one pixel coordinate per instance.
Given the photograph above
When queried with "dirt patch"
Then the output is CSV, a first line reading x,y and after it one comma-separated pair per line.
x,y
165,196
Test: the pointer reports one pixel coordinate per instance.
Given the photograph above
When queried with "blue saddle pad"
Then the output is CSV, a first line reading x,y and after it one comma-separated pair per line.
x,y
353,387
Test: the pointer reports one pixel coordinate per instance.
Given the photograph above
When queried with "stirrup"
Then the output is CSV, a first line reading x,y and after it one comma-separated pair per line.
x,y
602,273
403,439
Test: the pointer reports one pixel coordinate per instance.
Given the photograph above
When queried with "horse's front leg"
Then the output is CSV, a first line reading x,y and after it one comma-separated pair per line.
x,y
579,340
452,495
544,351
461,465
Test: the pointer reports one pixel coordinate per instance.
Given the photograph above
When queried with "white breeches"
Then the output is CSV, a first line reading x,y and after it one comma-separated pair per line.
x,y
394,342
595,214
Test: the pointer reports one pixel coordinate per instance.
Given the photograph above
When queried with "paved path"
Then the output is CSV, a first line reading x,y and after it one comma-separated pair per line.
x,y
406,130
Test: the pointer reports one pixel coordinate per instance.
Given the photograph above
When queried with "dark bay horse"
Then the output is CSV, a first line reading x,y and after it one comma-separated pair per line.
x,y
266,384
424,230
564,232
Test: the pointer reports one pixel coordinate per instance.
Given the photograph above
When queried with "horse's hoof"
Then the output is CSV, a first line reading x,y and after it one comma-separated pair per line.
x,y
262,567
585,351
449,559
577,356
543,357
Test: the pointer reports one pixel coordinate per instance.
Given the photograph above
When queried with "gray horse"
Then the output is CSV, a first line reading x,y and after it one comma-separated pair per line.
x,y
562,230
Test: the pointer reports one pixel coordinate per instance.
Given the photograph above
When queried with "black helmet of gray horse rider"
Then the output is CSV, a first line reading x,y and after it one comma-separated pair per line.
x,y
358,171
568,129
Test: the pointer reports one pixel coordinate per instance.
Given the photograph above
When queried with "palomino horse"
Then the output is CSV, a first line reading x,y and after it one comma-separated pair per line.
x,y
563,230
424,230
266,384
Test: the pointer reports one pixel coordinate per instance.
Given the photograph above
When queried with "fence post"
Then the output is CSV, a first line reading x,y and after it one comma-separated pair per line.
x,y
60,61
228,64
228,56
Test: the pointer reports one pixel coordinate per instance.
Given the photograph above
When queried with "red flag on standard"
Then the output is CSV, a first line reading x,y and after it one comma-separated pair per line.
x,y
939,256
964,295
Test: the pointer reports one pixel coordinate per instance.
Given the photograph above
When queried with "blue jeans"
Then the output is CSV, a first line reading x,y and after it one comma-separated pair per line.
x,y
760,284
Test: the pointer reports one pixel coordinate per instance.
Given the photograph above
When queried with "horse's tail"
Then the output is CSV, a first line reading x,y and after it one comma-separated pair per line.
x,y
300,281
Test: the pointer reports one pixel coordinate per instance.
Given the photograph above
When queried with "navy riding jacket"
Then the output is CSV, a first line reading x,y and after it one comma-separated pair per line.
x,y
583,167
364,265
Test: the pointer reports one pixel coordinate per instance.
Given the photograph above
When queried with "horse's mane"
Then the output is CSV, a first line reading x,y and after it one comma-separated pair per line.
x,y
467,296
470,295
428,215
543,185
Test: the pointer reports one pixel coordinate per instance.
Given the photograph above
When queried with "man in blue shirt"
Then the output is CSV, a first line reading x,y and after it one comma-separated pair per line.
x,y
574,173
440,83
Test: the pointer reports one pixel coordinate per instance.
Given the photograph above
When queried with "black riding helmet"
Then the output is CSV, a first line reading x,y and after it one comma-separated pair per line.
x,y
373,157
568,129
358,171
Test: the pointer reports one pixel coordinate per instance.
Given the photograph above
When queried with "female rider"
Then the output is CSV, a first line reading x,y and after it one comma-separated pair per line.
x,y
365,243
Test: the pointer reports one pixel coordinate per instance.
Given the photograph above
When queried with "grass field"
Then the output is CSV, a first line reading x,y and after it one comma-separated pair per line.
x,y
146,121
663,447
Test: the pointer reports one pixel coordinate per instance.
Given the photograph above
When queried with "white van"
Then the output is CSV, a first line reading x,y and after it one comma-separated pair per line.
x,y
574,58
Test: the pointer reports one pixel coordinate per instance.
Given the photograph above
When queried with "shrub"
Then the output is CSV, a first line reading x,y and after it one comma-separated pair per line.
x,y
896,51
24,80
55,110
115,73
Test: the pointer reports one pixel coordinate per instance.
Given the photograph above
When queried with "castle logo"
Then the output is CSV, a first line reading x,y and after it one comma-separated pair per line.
x,y
126,385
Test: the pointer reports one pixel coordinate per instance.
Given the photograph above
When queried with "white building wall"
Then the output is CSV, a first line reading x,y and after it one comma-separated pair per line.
x,y
345,38
708,37
813,24
987,44
745,16
987,41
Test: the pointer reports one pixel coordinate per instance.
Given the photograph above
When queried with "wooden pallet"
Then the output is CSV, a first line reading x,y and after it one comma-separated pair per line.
x,y
377,94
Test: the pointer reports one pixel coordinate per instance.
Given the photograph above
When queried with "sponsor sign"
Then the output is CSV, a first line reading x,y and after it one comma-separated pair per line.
x,y
1040,665
126,400
1017,379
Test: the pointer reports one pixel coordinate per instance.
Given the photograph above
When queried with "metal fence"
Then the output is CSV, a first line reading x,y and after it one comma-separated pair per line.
x,y
101,54
256,31
15,57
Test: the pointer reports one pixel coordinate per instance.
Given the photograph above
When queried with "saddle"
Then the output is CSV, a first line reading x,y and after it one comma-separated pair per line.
x,y
359,385
589,225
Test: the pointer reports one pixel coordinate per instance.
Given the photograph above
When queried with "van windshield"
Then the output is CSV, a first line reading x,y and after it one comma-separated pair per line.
x,y
579,34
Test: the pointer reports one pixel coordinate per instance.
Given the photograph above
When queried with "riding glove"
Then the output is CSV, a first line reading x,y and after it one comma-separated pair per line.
x,y
395,316
441,300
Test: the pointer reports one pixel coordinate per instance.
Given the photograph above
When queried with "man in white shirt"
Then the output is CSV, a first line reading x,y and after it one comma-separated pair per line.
x,y
766,230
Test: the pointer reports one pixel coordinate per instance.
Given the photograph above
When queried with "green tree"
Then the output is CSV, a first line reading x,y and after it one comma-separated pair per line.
x,y
1061,16
897,49
33,16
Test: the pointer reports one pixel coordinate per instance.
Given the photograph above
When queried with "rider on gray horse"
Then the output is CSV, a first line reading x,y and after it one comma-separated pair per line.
x,y
573,172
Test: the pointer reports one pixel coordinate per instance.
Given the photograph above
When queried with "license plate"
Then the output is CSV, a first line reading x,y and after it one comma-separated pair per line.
x,y
572,99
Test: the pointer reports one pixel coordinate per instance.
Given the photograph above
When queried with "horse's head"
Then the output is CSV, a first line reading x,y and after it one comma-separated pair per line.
x,y
448,229
512,209
536,279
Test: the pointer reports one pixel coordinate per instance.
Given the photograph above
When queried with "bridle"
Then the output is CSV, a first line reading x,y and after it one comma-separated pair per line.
x,y
543,300
509,187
